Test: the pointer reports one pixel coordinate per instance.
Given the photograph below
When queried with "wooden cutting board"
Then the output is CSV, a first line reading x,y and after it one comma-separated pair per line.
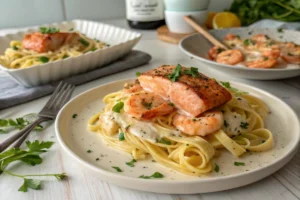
x,y
165,35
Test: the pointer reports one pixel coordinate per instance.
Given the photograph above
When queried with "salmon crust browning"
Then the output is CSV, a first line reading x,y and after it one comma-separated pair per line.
x,y
191,95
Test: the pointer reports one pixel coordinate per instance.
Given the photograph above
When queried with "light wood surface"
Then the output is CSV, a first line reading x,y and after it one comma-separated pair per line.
x,y
202,31
83,185
164,34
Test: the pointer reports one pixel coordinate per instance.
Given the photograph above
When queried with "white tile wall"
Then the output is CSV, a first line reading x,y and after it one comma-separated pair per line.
x,y
15,13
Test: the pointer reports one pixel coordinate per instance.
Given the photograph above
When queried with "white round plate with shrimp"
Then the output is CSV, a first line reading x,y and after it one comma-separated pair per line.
x,y
87,148
197,46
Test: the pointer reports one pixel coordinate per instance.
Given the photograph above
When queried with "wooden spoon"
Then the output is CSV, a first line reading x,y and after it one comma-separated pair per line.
x,y
206,34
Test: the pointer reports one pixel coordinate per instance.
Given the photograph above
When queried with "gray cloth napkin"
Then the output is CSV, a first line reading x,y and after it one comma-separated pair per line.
x,y
12,93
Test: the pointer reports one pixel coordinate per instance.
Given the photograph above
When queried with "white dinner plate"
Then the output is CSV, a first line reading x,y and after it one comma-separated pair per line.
x,y
197,46
77,140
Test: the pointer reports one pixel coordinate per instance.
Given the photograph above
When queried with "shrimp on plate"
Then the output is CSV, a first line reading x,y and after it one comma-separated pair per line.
x,y
230,57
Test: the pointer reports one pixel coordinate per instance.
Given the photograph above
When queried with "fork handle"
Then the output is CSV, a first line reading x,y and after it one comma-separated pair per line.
x,y
27,130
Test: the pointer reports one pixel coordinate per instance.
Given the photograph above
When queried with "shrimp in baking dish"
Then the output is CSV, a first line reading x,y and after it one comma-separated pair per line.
x,y
147,106
230,57
291,55
207,123
214,51
263,62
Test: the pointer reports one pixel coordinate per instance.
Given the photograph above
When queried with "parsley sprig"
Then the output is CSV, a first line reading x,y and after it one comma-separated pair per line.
x,y
7,125
130,164
163,141
193,71
155,175
31,157
175,74
234,90
47,30
118,107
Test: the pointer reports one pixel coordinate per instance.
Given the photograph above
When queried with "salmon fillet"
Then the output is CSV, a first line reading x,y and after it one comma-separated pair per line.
x,y
191,95
41,43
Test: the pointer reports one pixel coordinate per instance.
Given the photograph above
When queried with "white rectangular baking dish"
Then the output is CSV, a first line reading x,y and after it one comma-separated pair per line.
x,y
121,41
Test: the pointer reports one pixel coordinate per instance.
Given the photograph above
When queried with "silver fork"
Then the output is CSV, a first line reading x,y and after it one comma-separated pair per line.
x,y
60,96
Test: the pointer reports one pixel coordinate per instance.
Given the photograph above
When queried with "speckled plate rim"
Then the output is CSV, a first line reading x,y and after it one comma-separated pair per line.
x,y
182,48
117,179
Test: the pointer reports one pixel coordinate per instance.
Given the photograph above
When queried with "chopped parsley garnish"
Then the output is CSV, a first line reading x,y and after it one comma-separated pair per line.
x,y
193,71
175,74
71,29
74,116
117,168
147,105
171,104
247,42
236,91
48,30
219,50
239,164
217,168
15,48
44,59
138,74
65,56
280,30
289,54
155,175
225,123
244,125
84,42
93,49
118,107
265,58
89,151
187,145
163,141
97,159
121,136
130,164
30,156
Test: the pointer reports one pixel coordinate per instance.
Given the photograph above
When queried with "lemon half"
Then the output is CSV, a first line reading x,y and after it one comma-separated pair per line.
x,y
226,20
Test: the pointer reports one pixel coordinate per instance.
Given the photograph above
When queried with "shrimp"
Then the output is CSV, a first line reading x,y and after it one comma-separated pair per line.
x,y
264,62
232,40
230,57
260,38
270,52
207,123
214,51
147,106
291,55
133,87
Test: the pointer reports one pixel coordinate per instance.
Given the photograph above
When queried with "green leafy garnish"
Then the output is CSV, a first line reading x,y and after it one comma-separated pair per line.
x,y
84,42
247,42
175,74
44,59
93,49
118,107
244,125
71,29
31,157
138,74
219,50
193,71
121,136
117,168
171,104
48,30
163,141
89,151
15,48
280,30
65,56
7,125
225,123
147,105
217,168
290,54
130,164
155,175
251,11
234,90
239,164
74,116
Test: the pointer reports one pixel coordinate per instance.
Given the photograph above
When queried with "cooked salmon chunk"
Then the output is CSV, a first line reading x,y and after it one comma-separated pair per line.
x,y
192,95
41,43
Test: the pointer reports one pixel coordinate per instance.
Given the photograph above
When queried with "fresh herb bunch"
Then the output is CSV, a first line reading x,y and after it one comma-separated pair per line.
x,y
250,11
7,125
29,156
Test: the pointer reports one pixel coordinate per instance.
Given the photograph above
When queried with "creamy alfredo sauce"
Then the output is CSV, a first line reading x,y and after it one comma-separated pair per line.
x,y
142,129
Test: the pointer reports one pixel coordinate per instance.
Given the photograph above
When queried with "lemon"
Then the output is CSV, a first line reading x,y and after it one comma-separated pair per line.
x,y
225,20
209,19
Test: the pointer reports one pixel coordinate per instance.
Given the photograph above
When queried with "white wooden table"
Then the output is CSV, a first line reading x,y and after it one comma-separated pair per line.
x,y
284,184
